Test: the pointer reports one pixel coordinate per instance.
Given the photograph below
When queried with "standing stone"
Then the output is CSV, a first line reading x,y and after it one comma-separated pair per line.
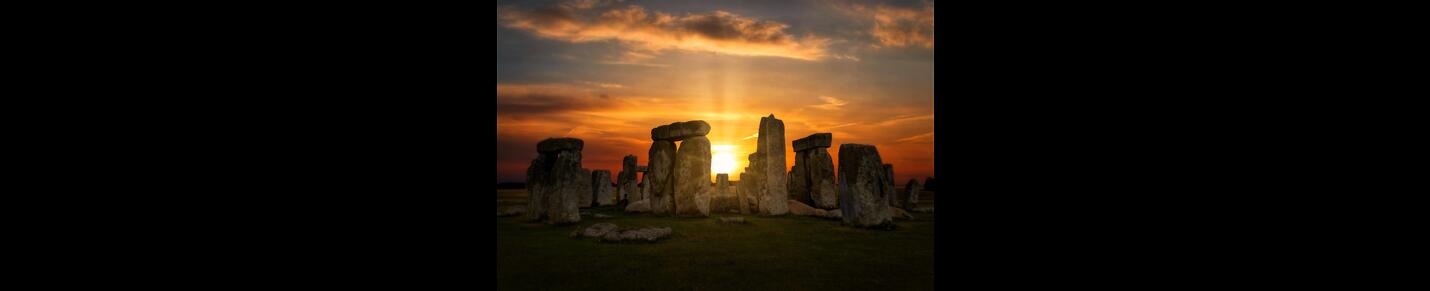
x,y
556,182
601,183
722,184
799,179
771,145
536,175
626,182
812,178
910,197
863,197
692,177
824,188
586,200
741,191
661,177
889,181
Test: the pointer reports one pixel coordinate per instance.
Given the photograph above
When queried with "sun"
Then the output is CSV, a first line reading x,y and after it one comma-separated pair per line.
x,y
723,161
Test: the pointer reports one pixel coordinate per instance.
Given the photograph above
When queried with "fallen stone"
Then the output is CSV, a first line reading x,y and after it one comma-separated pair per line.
x,y
598,215
644,234
639,206
738,220
925,209
597,230
834,213
901,214
798,208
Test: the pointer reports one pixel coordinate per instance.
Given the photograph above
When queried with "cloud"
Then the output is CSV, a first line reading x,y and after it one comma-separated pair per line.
x,y
603,85
897,26
830,103
717,32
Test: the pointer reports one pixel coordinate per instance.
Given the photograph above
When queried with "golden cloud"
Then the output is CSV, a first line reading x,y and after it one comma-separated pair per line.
x,y
898,26
717,32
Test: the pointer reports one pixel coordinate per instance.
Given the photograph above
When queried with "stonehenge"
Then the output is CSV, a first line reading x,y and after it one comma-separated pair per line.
x,y
767,166
863,188
812,178
889,180
556,182
680,177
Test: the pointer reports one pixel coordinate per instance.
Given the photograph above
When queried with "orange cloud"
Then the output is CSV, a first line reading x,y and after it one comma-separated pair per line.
x,y
896,26
717,32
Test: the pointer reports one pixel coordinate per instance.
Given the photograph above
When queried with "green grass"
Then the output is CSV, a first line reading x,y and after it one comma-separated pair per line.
x,y
768,253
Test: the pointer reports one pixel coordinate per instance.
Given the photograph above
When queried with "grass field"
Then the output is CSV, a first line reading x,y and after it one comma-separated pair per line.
x,y
768,253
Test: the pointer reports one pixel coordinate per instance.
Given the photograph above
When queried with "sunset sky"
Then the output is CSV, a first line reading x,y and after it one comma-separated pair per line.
x,y
608,71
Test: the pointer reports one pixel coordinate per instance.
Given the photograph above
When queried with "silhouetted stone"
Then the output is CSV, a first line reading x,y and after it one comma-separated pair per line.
x,y
863,196
722,184
889,181
823,188
736,220
771,170
556,182
742,193
626,182
662,177
692,177
818,140
928,184
597,230
680,130
553,145
799,179
601,185
910,197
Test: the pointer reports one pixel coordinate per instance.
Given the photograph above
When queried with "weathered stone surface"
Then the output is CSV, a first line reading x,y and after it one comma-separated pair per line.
x,y
553,145
798,208
511,210
536,176
644,234
863,196
835,213
823,188
565,186
818,140
889,181
728,204
598,230
722,184
923,209
680,130
799,179
742,193
627,181
639,206
601,185
662,177
910,197
645,186
692,177
771,145
556,182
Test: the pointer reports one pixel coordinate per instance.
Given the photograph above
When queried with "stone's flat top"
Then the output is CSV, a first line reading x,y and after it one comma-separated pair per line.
x,y
722,176
680,130
552,145
818,140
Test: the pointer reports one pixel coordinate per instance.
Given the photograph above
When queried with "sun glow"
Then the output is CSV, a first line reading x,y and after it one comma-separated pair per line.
x,y
722,160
